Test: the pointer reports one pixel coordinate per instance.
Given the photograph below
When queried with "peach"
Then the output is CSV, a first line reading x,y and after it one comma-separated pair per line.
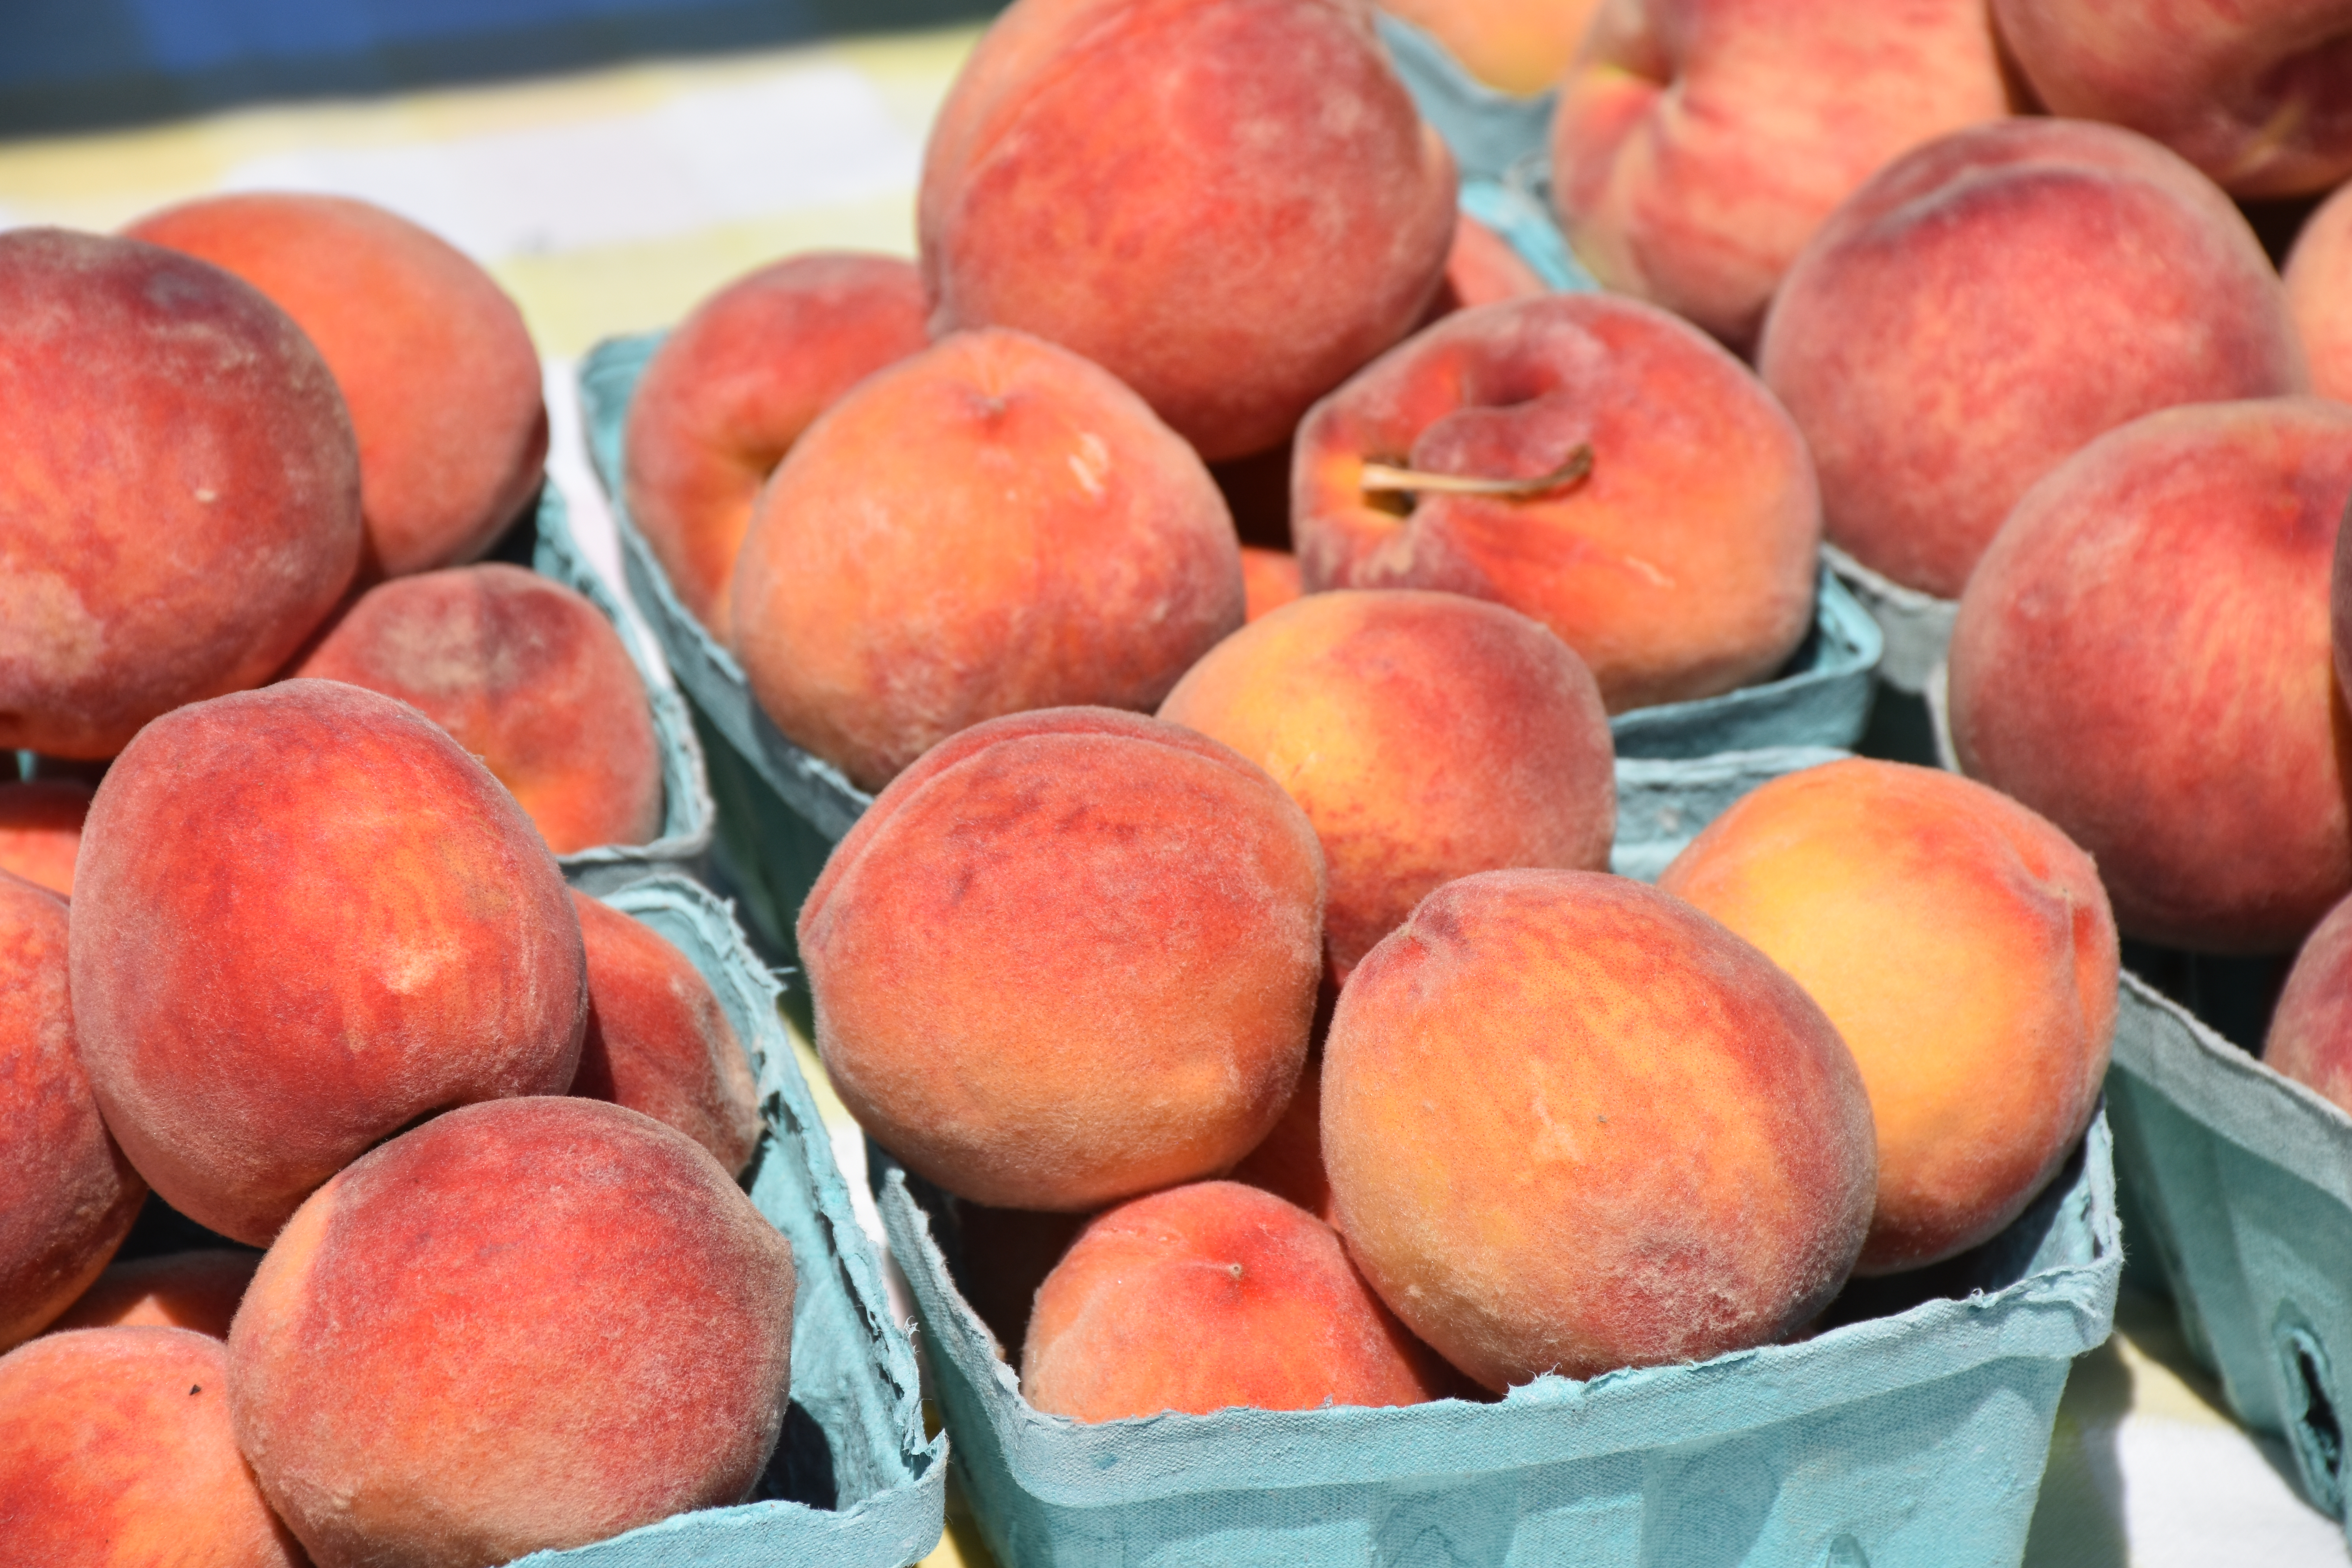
x,y
2143,658
1965,950
2318,278
525,674
40,830
432,357
1700,143
1519,46
1214,1294
990,526
1985,306
73,1195
116,1452
1229,204
657,1040
729,390
2310,1038
195,1290
1573,1124
1289,1164
527,1324
2256,93
1481,269
1269,581
1425,735
1681,565
1068,958
305,919
179,495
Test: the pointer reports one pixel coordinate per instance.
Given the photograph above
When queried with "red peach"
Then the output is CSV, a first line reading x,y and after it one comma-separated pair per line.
x,y
194,1291
1269,579
2318,278
40,830
2310,1037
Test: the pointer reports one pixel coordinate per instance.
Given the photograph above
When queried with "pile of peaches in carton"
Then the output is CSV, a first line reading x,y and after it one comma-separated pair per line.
x,y
1232,933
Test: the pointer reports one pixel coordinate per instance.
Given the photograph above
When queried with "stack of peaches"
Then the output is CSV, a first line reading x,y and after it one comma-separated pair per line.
x,y
302,964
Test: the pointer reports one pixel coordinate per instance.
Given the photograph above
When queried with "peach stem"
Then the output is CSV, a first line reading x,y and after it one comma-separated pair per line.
x,y
1381,477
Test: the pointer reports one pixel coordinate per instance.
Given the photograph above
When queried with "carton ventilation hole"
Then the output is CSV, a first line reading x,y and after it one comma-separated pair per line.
x,y
2313,1423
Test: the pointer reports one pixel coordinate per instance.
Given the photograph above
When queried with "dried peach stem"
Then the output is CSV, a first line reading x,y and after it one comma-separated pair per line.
x,y
1381,477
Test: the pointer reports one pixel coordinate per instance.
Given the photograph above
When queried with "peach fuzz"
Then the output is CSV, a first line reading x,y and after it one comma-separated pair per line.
x,y
729,392
658,1041
526,674
2318,277
1573,1124
179,495
1068,958
1518,46
2120,280
1426,736
1681,566
432,357
1700,143
74,1195
2310,1038
1269,579
116,1452
2143,658
1289,1162
196,1290
1481,269
1214,1294
990,526
250,1031
2257,93
40,830
1965,950
525,1325
1229,204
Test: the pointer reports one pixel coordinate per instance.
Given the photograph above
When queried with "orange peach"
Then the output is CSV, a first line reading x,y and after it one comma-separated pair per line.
x,y
2318,278
116,1452
2143,658
1985,306
1425,735
2310,1038
1069,957
990,526
1965,950
194,1291
1269,581
304,920
525,1325
1680,566
179,492
1481,269
1214,1294
73,1196
432,357
1289,1164
528,676
1519,46
1700,143
1573,1124
1229,204
40,830
729,390
657,1040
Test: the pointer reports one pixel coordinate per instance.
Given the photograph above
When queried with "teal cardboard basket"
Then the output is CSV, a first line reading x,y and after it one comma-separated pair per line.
x,y
856,1483
2238,1184
1912,1436
1489,131
688,816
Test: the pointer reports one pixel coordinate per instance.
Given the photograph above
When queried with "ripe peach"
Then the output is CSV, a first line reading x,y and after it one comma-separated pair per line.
x,y
2310,1038
990,526
1700,143
304,920
1269,579
2143,658
73,1195
1229,204
1681,566
194,1291
2117,281
528,676
116,1452
1519,46
1572,1124
179,493
1481,269
40,830
731,389
1289,1162
2318,278
657,1040
1425,735
432,357
1069,957
527,1324
1965,950
1214,1294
